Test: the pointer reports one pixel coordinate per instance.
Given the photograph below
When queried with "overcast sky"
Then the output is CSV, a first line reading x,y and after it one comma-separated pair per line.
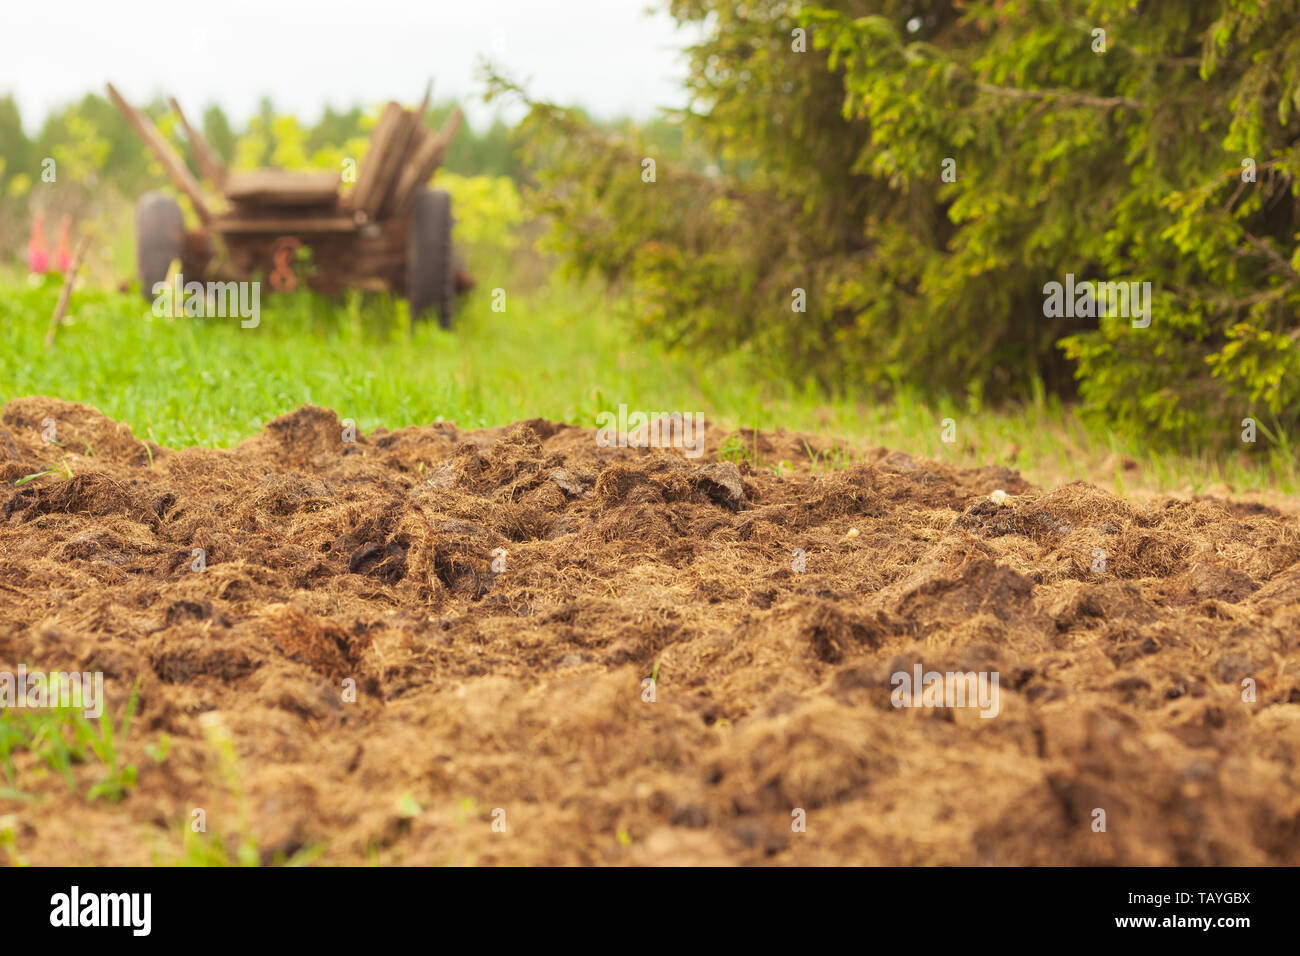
x,y
607,55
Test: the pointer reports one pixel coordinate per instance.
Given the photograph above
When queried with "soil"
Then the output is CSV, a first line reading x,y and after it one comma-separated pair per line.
x,y
348,674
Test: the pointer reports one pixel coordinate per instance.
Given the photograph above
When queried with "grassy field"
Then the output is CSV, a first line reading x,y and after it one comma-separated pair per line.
x,y
560,350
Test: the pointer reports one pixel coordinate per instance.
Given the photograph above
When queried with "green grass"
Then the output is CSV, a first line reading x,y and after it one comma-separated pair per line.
x,y
61,738
560,351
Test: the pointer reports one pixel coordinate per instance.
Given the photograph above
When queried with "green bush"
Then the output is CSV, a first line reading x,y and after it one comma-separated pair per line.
x,y
1120,164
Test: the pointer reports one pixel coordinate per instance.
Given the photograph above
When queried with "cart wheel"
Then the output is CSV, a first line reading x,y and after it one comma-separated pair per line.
x,y
159,235
430,262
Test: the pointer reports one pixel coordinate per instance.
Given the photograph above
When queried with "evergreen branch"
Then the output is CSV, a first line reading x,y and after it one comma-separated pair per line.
x,y
1069,97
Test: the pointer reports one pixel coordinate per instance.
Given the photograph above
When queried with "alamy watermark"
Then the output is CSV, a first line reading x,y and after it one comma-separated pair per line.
x,y
652,430
213,300
130,910
57,689
935,689
1091,300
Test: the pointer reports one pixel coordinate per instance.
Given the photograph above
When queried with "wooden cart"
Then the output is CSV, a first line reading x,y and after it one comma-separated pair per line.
x,y
389,233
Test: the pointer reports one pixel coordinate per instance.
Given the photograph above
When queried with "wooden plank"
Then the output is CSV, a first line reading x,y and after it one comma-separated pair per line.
x,y
62,307
408,179
208,161
282,187
379,140
391,163
392,158
425,163
304,224
172,164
